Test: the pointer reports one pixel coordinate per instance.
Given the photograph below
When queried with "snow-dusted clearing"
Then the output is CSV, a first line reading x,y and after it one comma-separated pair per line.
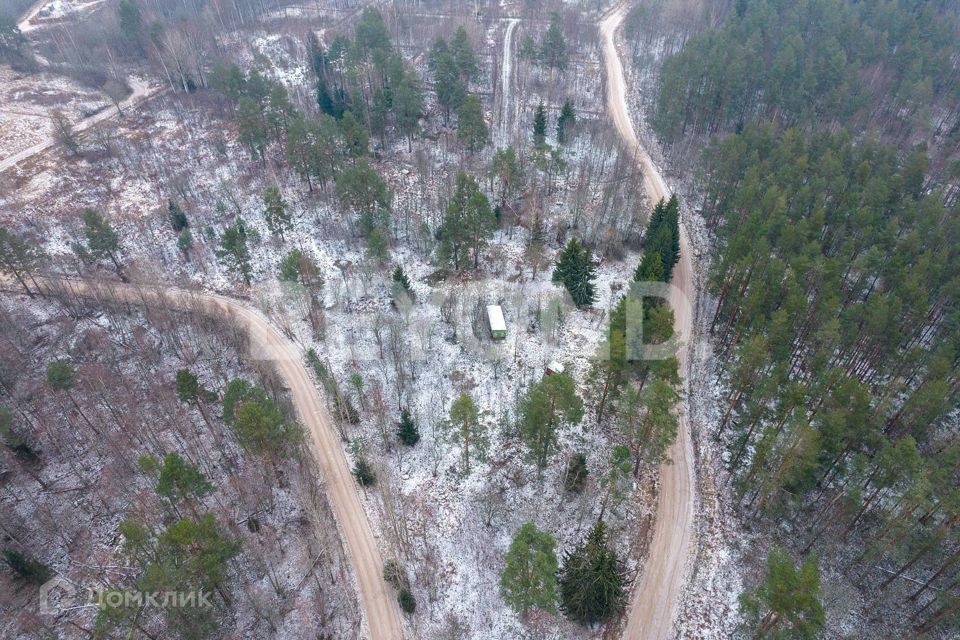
x,y
48,12
26,102
449,530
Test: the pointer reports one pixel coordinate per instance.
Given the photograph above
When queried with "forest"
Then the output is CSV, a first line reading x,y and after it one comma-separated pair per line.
x,y
251,257
880,66
826,190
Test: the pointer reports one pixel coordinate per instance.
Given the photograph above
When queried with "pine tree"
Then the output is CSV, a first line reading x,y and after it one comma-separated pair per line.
x,y
102,240
450,89
180,481
529,577
540,125
471,127
290,266
19,257
593,582
233,251
276,211
378,246
361,189
463,56
787,603
178,219
549,405
647,421
506,166
356,138
408,106
257,420
407,430
575,270
252,127
192,554
185,243
465,426
566,121
468,223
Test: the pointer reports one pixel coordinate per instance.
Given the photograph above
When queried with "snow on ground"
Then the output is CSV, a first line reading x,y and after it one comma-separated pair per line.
x,y
26,101
449,530
55,11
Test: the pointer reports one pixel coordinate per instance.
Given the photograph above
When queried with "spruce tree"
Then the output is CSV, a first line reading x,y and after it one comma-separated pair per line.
x,y
575,270
364,473
565,121
178,219
26,568
400,285
553,50
661,245
407,602
407,430
593,581
540,125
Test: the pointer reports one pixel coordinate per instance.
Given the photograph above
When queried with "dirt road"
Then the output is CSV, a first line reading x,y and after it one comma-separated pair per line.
x,y
656,592
142,90
377,602
506,81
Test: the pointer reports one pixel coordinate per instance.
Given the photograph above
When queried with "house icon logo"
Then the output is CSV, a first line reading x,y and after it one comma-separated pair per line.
x,y
60,594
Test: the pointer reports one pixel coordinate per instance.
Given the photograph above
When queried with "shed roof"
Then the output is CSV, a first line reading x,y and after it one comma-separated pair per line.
x,y
495,317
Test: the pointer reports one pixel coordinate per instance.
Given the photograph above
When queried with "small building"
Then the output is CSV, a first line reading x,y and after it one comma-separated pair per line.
x,y
554,367
498,328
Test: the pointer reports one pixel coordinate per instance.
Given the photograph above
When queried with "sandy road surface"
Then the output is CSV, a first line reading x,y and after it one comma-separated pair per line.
x,y
655,594
506,78
142,90
376,600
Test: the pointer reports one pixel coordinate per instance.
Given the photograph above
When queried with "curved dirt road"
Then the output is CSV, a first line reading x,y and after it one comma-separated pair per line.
x,y
377,602
655,595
